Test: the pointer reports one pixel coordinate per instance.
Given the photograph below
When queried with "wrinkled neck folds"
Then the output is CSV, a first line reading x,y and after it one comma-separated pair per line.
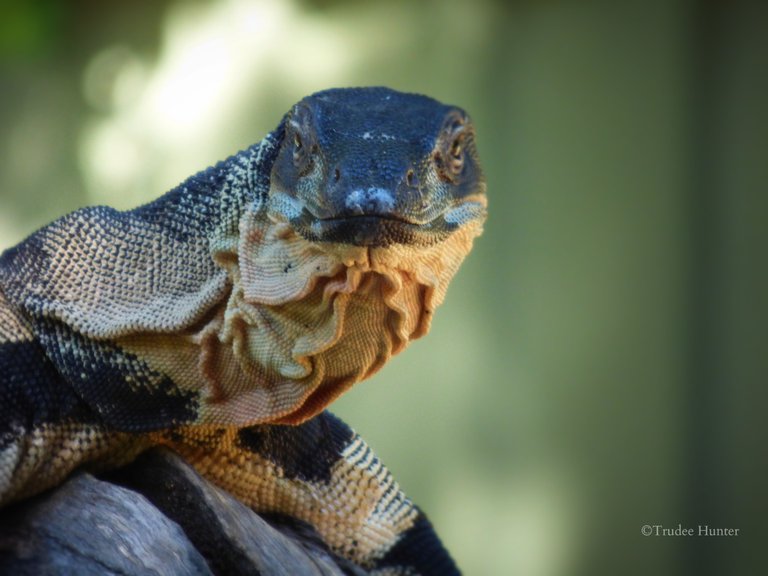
x,y
305,320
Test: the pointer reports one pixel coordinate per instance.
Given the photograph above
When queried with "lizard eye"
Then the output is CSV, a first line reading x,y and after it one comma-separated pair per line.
x,y
302,157
450,156
456,148
300,140
456,155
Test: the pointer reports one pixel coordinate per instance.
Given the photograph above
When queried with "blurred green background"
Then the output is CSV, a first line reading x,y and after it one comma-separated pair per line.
x,y
601,359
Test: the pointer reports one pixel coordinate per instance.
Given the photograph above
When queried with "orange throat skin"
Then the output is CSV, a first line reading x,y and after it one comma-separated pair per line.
x,y
302,322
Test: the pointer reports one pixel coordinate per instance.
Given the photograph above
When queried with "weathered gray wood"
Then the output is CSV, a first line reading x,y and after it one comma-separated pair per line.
x,y
233,538
156,516
89,527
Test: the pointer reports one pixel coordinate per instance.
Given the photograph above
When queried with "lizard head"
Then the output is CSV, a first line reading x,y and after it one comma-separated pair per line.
x,y
375,167
373,200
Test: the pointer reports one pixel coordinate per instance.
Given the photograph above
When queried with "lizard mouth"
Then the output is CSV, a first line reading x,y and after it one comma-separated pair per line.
x,y
380,230
377,231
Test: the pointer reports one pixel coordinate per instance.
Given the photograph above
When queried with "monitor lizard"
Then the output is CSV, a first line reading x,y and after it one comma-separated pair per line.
x,y
222,318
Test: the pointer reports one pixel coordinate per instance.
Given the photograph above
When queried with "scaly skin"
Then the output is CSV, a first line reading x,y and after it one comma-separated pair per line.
x,y
224,317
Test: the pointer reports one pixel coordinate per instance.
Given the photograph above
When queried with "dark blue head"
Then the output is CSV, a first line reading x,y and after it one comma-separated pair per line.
x,y
374,167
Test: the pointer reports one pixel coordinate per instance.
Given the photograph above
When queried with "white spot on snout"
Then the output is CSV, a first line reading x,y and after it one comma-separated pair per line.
x,y
381,136
370,201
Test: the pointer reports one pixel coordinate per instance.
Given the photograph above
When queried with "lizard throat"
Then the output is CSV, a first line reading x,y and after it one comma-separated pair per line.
x,y
305,321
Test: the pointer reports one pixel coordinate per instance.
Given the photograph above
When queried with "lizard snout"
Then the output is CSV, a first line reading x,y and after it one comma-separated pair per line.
x,y
370,202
